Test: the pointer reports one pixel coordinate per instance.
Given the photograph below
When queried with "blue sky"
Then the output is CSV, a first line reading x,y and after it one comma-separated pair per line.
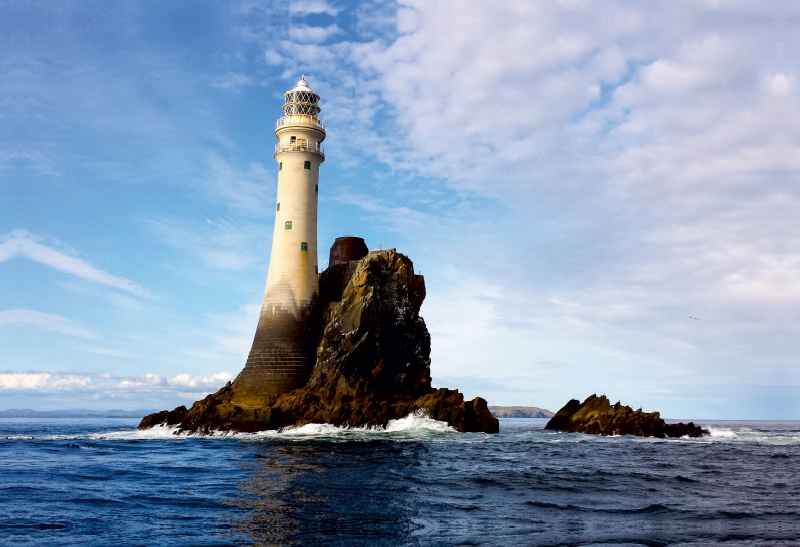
x,y
574,179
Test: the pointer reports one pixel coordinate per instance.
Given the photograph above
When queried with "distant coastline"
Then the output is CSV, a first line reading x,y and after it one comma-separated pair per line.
x,y
73,413
497,412
520,412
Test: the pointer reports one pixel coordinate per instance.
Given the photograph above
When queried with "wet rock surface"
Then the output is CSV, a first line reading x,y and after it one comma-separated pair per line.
x,y
597,416
372,365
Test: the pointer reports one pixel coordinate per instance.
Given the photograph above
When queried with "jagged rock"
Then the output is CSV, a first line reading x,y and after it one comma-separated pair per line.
x,y
596,415
372,366
165,417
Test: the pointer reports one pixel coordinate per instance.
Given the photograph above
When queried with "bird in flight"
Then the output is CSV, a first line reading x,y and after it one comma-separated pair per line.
x,y
695,318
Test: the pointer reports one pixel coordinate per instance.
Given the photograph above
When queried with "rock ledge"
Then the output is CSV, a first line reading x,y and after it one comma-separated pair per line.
x,y
597,416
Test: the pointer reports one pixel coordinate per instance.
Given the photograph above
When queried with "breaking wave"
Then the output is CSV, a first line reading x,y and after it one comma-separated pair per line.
x,y
416,425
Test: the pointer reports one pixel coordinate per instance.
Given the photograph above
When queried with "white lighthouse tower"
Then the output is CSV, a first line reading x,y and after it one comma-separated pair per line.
x,y
292,280
282,351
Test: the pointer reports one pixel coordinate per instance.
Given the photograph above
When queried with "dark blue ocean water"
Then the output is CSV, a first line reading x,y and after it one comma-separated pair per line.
x,y
100,482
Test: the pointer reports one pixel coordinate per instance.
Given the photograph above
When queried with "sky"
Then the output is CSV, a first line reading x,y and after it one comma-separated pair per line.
x,y
600,194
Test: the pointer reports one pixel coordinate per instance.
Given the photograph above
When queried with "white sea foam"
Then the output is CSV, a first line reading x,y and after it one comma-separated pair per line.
x,y
416,425
418,422
721,433
156,432
419,426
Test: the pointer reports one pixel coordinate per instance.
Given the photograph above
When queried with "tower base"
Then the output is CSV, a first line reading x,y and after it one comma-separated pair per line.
x,y
282,355
285,346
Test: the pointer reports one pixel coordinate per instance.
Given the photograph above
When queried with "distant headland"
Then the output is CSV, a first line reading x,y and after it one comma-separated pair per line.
x,y
520,412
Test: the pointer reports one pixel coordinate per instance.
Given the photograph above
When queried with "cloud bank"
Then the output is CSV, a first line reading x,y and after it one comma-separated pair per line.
x,y
90,382
641,161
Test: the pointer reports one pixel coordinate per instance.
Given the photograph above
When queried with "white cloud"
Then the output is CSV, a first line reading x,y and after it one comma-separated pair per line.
x,y
107,384
314,35
44,321
304,7
148,381
23,243
43,381
781,84
185,380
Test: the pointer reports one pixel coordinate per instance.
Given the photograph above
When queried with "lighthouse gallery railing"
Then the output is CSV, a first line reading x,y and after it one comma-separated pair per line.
x,y
300,147
300,118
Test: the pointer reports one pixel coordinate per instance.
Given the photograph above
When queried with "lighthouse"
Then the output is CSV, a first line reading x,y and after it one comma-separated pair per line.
x,y
283,348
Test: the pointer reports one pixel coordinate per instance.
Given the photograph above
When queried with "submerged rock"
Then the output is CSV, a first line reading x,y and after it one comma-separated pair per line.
x,y
596,415
372,365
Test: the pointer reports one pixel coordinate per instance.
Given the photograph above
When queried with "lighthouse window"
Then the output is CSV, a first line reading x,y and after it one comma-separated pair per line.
x,y
292,139
304,246
316,188
306,165
279,207
280,166
288,224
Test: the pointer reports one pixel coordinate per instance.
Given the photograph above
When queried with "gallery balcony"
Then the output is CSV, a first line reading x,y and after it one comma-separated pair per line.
x,y
300,119
314,148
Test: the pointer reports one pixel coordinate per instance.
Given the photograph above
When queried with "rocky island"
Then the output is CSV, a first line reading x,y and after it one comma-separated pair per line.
x,y
372,362
597,416
520,412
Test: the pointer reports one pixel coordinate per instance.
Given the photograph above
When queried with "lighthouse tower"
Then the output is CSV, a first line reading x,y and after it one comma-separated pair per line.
x,y
282,351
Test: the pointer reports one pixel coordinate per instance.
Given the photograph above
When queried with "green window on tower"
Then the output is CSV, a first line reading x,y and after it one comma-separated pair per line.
x,y
304,246
316,188
279,207
306,164
288,225
280,166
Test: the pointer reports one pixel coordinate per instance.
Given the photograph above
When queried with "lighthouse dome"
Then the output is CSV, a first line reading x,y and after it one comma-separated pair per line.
x,y
302,85
300,100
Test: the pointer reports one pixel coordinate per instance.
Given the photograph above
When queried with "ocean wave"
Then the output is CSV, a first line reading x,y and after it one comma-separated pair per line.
x,y
721,433
750,434
649,509
416,425
418,421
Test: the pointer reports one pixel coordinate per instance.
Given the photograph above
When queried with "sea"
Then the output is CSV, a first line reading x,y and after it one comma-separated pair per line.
x,y
100,481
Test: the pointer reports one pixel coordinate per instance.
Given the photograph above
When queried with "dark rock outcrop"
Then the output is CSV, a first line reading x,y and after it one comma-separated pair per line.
x,y
165,417
372,365
597,416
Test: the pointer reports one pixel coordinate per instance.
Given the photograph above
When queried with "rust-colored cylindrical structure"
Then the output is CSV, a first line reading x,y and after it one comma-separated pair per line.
x,y
347,249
